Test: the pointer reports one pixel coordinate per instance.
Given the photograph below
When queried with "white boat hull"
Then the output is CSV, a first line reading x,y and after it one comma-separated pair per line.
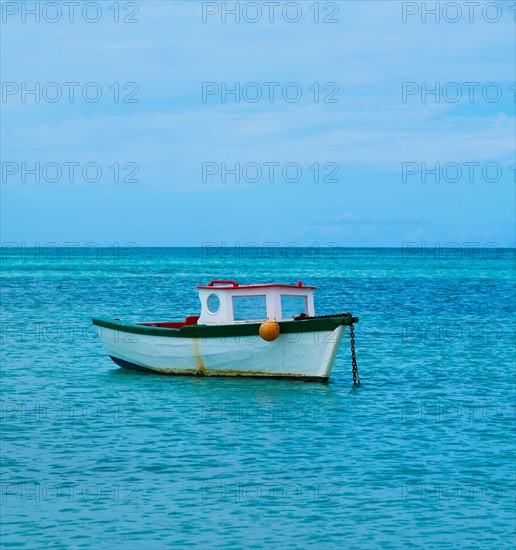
x,y
295,355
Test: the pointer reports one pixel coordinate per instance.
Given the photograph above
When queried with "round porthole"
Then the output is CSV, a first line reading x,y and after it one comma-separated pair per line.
x,y
213,303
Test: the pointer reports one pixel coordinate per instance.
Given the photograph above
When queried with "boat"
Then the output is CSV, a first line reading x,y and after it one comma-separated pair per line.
x,y
252,330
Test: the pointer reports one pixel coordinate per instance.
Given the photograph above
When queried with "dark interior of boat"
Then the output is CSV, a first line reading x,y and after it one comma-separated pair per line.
x,y
190,320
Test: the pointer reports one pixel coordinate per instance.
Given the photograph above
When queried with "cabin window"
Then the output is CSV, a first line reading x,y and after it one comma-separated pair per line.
x,y
293,305
249,308
213,303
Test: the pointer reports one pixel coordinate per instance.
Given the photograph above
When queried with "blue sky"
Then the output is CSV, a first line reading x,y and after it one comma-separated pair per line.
x,y
369,132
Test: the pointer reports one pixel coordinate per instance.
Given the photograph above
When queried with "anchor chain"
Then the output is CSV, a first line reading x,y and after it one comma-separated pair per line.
x,y
356,376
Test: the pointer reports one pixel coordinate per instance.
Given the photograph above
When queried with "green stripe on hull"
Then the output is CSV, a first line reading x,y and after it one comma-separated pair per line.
x,y
313,324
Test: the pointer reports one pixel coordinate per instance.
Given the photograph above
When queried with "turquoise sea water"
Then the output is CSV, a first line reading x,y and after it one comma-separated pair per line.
x,y
422,454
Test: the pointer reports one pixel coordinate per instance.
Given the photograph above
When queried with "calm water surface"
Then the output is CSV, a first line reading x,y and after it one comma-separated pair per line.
x,y
421,455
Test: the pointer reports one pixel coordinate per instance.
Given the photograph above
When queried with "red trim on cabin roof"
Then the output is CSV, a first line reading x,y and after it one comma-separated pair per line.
x,y
232,285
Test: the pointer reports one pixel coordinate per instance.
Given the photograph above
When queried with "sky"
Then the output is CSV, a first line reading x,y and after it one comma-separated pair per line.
x,y
332,133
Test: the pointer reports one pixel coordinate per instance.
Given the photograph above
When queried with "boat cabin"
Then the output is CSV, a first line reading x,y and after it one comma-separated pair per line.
x,y
227,302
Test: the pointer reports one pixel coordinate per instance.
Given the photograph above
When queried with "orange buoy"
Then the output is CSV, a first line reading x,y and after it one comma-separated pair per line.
x,y
269,330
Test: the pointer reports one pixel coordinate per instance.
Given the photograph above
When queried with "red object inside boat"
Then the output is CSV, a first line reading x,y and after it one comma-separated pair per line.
x,y
190,320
